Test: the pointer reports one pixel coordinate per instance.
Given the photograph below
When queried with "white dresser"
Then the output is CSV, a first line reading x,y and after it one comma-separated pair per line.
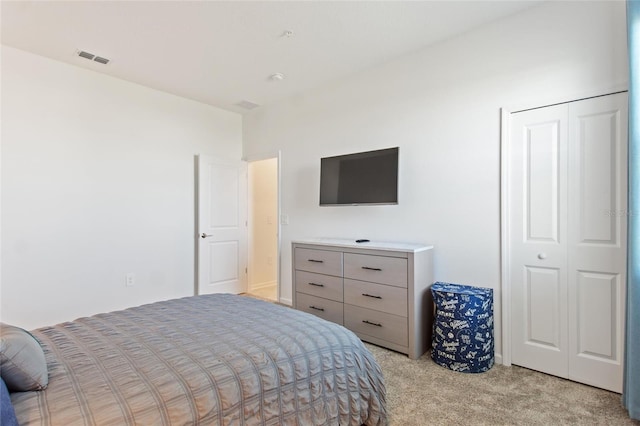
x,y
378,290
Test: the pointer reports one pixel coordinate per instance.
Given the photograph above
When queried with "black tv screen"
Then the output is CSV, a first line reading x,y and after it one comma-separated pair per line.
x,y
363,178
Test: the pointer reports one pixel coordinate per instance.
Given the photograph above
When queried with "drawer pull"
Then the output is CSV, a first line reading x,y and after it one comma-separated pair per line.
x,y
315,261
316,308
372,323
316,284
371,269
371,295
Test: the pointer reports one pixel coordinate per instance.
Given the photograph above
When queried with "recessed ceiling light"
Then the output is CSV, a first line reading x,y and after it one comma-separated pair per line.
x,y
276,77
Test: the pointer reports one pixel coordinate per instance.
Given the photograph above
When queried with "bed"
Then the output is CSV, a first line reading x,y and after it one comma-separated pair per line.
x,y
210,360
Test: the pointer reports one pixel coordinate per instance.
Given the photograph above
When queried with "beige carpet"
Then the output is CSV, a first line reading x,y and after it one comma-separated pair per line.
x,y
423,393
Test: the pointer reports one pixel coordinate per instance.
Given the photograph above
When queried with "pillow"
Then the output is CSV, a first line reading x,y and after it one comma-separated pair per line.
x,y
7,413
23,366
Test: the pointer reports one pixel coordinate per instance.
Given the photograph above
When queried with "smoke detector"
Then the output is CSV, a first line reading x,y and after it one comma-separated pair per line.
x,y
276,77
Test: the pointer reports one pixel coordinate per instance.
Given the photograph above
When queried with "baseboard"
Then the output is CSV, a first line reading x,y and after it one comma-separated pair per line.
x,y
286,301
498,359
263,285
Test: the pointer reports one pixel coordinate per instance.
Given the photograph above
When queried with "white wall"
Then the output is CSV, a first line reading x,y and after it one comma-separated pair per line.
x,y
441,106
97,181
263,222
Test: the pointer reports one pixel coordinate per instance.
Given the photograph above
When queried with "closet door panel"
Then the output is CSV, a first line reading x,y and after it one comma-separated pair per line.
x,y
597,239
538,238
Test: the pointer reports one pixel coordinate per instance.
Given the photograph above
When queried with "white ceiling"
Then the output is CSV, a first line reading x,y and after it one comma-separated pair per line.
x,y
223,52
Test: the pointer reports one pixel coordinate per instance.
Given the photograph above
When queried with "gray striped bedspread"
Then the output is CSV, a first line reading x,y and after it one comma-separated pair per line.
x,y
205,360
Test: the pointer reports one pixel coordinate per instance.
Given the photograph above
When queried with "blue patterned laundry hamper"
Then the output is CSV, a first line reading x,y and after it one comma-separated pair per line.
x,y
463,327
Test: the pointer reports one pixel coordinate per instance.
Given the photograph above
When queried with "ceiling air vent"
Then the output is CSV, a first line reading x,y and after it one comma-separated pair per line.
x,y
92,57
86,55
247,104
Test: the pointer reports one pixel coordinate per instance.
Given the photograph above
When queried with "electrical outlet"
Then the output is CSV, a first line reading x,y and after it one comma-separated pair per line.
x,y
284,219
130,279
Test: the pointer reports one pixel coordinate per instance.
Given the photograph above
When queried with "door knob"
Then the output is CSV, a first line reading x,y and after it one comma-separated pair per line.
x,y
203,235
542,256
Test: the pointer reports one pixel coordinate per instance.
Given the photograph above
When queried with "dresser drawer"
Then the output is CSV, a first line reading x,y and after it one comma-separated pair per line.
x,y
323,308
377,269
320,261
320,285
391,328
380,297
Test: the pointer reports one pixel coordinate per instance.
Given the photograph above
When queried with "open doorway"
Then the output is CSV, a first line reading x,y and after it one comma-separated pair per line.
x,y
263,229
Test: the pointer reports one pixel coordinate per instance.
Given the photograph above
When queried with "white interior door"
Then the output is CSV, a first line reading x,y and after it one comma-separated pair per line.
x,y
597,239
222,226
538,200
567,239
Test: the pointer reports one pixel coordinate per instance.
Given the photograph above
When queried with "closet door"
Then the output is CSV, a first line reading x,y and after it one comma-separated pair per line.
x,y
567,227
597,239
538,239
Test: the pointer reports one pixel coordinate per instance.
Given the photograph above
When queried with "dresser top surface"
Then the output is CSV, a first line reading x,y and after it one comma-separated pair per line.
x,y
373,245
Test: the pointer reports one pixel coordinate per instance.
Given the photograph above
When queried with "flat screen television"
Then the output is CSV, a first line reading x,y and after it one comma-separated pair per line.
x,y
362,178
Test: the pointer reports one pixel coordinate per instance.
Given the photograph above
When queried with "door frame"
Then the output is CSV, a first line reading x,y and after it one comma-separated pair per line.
x,y
505,357
505,247
267,156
